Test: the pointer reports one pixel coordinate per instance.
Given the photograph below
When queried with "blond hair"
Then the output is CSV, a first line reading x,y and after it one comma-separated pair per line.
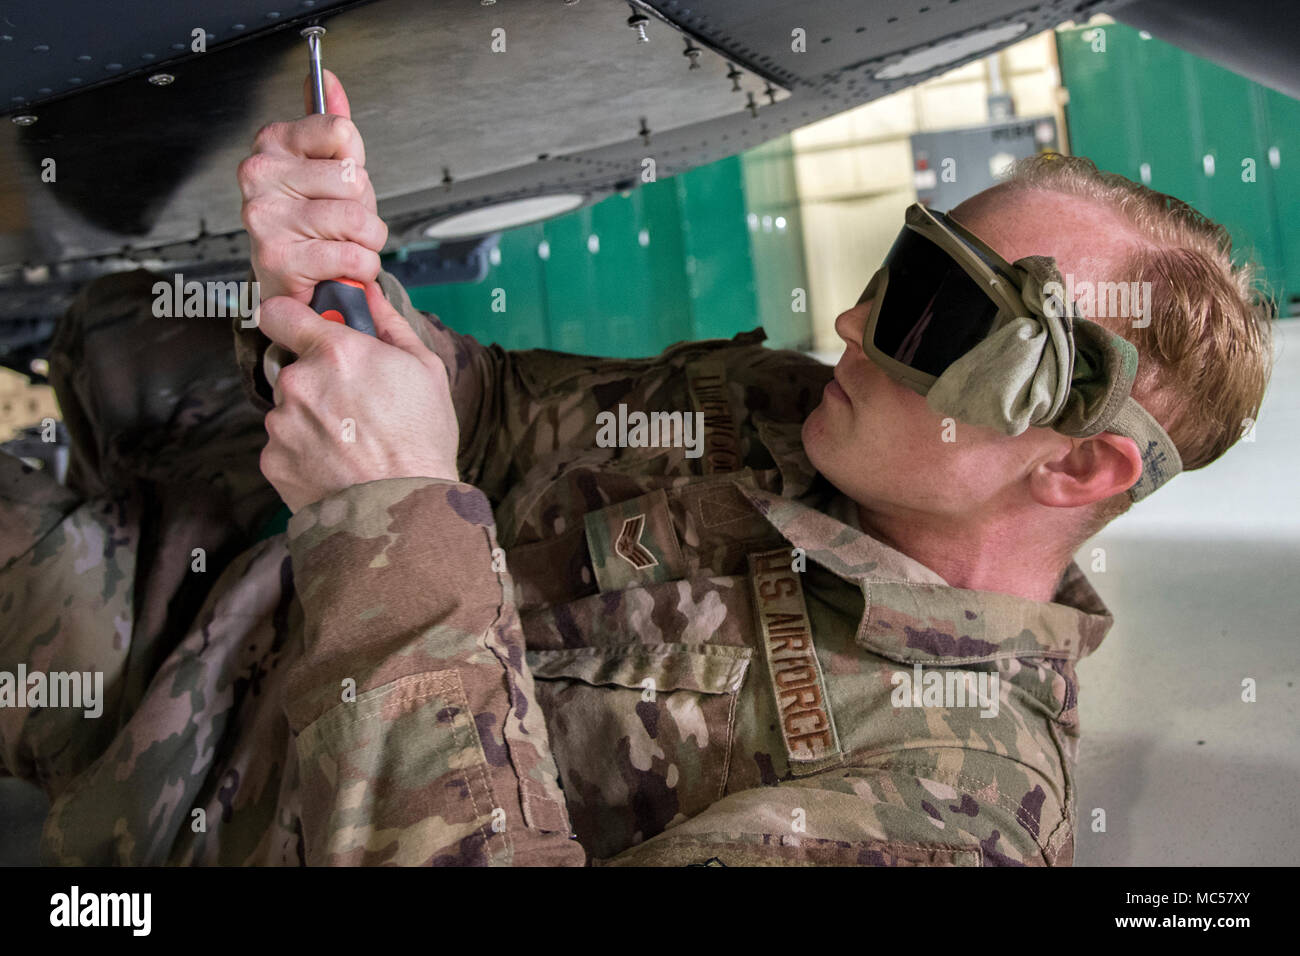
x,y
1206,355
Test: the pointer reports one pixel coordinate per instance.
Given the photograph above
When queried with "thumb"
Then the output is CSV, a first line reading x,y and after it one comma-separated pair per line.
x,y
391,326
336,99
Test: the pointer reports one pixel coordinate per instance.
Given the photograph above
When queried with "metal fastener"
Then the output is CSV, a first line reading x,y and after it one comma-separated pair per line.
x,y
162,79
637,22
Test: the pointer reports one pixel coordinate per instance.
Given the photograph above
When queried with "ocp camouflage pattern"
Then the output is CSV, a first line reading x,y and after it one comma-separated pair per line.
x,y
558,660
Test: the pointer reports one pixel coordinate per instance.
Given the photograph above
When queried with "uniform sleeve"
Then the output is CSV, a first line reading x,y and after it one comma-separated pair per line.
x,y
515,408
67,571
418,734
858,816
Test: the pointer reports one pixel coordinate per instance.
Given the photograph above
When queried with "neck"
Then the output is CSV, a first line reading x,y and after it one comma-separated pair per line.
x,y
990,554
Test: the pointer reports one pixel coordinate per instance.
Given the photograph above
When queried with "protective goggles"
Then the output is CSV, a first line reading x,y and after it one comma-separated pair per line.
x,y
995,344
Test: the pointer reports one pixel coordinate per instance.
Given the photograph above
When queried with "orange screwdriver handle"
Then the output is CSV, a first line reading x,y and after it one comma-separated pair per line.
x,y
343,301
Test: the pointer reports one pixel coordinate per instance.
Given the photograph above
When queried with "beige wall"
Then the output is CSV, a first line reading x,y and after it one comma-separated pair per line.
x,y
23,404
854,170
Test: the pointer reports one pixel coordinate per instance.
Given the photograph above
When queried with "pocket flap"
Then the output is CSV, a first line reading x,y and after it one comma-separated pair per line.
x,y
707,668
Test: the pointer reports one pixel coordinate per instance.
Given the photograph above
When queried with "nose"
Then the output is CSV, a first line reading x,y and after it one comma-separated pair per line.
x,y
852,323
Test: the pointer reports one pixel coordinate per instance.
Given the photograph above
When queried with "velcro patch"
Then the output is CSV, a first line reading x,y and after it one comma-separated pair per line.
x,y
634,543
802,705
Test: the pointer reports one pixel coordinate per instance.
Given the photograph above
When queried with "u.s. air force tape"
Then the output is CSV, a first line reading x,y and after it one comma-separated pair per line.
x,y
802,706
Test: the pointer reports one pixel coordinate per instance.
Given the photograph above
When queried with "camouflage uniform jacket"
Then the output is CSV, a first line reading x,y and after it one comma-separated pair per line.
x,y
688,661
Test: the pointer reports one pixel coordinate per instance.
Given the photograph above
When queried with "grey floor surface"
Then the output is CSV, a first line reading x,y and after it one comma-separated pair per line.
x,y
1204,581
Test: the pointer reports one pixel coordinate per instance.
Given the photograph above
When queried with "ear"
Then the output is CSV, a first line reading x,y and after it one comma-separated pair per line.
x,y
1086,470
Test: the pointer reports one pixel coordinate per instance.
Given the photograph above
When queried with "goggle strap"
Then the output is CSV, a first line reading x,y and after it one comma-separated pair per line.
x,y
1160,458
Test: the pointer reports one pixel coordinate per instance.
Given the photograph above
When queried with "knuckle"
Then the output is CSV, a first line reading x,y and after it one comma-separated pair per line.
x,y
249,172
339,128
269,460
275,307
271,256
369,265
288,384
334,353
361,184
356,260
255,214
268,135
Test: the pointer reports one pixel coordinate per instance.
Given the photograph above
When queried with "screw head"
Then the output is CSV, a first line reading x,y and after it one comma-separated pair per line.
x,y
24,119
313,31
162,79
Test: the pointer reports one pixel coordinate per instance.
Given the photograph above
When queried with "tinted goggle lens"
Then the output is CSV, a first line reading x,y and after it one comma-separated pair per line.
x,y
932,311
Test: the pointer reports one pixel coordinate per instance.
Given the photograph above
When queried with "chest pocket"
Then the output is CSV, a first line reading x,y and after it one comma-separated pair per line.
x,y
641,732
640,683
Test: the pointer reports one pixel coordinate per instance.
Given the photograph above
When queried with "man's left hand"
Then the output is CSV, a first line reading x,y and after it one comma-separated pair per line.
x,y
351,408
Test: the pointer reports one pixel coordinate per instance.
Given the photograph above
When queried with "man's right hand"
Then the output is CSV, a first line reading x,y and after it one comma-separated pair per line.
x,y
309,207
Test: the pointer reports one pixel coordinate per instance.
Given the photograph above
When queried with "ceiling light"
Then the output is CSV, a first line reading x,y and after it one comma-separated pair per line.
x,y
504,215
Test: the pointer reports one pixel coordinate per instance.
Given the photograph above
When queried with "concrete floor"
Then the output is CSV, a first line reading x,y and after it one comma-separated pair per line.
x,y
1204,582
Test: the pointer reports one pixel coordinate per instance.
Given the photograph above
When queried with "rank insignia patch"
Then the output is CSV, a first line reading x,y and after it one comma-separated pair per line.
x,y
629,547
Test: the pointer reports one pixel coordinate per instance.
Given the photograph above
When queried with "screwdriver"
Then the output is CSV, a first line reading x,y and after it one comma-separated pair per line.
x,y
337,300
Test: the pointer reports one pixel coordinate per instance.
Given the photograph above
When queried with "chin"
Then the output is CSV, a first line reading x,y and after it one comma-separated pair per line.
x,y
814,433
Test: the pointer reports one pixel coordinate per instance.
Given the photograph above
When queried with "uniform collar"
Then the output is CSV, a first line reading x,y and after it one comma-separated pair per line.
x,y
911,613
